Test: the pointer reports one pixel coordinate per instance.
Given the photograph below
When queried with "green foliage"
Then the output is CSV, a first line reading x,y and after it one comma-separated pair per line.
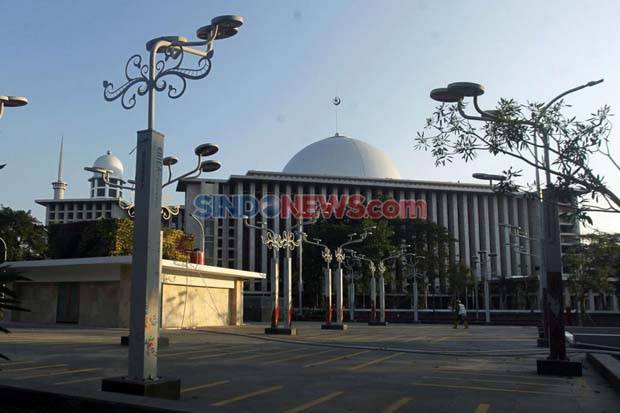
x,y
176,245
459,278
110,237
591,263
575,146
425,239
24,234
8,298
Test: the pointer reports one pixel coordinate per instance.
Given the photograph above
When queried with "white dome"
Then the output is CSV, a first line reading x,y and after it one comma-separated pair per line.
x,y
111,162
342,156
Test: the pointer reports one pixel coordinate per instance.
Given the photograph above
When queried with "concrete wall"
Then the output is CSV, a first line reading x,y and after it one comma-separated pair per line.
x,y
40,299
124,295
99,304
192,306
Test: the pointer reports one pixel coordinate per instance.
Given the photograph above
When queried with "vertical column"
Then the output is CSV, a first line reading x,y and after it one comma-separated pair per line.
x,y
225,232
496,234
476,232
465,238
300,260
524,218
252,239
239,234
454,220
434,208
507,238
146,260
263,248
516,251
287,281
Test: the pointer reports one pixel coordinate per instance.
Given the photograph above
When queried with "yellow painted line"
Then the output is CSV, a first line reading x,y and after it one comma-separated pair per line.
x,y
392,408
318,363
60,383
211,355
493,381
375,361
204,386
250,357
247,396
182,353
454,386
58,373
13,363
316,402
482,408
417,338
34,368
298,357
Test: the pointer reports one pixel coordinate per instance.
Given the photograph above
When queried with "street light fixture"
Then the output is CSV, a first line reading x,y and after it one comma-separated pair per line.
x,y
551,279
147,79
11,102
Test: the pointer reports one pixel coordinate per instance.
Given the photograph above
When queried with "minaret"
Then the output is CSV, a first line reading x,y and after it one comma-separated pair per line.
x,y
60,186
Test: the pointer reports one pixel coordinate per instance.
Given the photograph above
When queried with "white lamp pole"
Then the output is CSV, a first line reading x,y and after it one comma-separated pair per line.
x,y
155,76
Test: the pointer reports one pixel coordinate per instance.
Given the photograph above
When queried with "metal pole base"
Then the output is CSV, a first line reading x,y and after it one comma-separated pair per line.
x,y
161,388
334,326
281,331
559,368
377,323
161,341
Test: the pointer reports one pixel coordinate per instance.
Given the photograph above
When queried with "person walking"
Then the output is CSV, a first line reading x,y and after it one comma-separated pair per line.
x,y
461,314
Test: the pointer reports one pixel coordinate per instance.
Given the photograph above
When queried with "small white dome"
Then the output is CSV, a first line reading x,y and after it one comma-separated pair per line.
x,y
111,162
342,156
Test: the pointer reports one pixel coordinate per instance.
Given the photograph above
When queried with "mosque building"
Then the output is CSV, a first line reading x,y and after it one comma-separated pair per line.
x,y
476,216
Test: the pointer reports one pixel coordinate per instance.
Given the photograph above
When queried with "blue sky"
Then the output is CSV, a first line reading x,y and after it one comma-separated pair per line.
x,y
270,88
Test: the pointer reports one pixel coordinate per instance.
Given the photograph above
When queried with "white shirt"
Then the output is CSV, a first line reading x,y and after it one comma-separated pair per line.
x,y
462,310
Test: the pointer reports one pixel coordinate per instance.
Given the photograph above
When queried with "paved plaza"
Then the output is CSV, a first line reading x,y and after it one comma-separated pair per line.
x,y
398,368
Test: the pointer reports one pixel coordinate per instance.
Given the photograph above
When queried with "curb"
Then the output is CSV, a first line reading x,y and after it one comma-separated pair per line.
x,y
23,399
608,366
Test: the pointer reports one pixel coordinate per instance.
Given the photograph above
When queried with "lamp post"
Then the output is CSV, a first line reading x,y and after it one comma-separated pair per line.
x,y
550,247
327,256
141,79
373,284
414,276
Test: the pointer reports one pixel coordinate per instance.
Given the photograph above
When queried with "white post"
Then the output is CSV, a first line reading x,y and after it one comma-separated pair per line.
x,y
275,290
146,260
288,289
373,298
352,299
382,298
415,298
339,297
328,293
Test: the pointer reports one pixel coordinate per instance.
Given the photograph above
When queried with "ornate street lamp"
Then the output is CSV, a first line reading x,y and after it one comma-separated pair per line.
x,y
148,79
550,248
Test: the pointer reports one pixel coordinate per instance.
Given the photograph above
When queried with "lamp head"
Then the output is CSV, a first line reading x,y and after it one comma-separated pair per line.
x,y
206,149
210,166
13,101
445,95
170,160
101,171
227,26
468,89
488,177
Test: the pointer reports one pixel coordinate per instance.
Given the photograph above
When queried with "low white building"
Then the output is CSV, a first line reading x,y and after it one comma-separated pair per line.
x,y
96,291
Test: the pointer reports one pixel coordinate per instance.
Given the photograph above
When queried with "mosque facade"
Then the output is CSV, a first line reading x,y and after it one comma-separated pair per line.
x,y
504,226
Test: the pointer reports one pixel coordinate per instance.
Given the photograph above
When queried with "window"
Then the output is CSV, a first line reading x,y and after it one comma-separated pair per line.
x,y
89,215
112,193
100,192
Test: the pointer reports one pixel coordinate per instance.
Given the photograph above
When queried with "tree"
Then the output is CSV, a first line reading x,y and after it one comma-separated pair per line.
x,y
591,264
24,235
517,131
8,298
